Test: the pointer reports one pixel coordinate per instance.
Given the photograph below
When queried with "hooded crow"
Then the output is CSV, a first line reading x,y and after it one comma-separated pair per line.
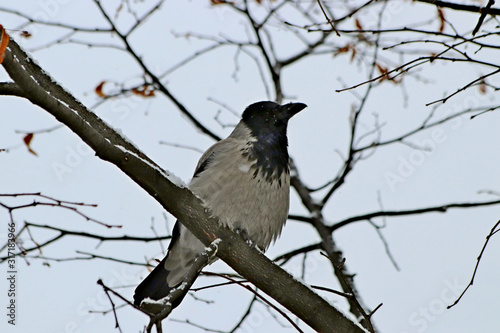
x,y
245,182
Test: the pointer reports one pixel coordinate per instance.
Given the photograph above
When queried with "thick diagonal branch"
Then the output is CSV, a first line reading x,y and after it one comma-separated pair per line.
x,y
178,200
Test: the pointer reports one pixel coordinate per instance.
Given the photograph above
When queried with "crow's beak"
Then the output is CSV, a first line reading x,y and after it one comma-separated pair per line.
x,y
287,111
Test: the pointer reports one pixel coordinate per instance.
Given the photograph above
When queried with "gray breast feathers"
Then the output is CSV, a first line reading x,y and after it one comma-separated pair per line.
x,y
240,196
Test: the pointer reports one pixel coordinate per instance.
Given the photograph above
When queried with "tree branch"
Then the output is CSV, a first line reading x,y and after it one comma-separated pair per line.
x,y
11,89
493,231
439,209
467,8
177,199
154,78
334,254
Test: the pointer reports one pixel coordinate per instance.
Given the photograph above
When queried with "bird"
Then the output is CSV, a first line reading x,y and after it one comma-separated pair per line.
x,y
244,181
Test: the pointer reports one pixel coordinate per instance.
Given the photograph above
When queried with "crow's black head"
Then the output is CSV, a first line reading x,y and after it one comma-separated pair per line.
x,y
268,122
263,118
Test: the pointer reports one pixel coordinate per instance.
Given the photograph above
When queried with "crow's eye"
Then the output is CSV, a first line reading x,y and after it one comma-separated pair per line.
x,y
277,122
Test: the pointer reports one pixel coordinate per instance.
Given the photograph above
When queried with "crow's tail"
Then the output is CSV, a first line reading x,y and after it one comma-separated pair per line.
x,y
154,285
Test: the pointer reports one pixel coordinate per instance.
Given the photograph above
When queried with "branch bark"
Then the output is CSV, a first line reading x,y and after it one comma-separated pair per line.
x,y
43,91
462,7
11,89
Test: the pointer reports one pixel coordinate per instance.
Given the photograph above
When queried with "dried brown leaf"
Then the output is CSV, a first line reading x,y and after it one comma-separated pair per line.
x,y
220,2
358,24
343,49
482,87
27,141
3,43
353,53
384,71
25,34
442,20
98,90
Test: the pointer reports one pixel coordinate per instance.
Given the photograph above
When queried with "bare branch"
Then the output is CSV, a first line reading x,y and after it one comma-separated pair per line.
x,y
117,325
432,209
261,298
246,314
484,11
468,85
11,89
284,258
333,253
154,78
493,231
54,203
462,7
327,18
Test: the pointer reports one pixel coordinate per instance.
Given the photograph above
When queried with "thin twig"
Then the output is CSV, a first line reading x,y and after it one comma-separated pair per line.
x,y
484,11
328,19
492,232
117,324
432,209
